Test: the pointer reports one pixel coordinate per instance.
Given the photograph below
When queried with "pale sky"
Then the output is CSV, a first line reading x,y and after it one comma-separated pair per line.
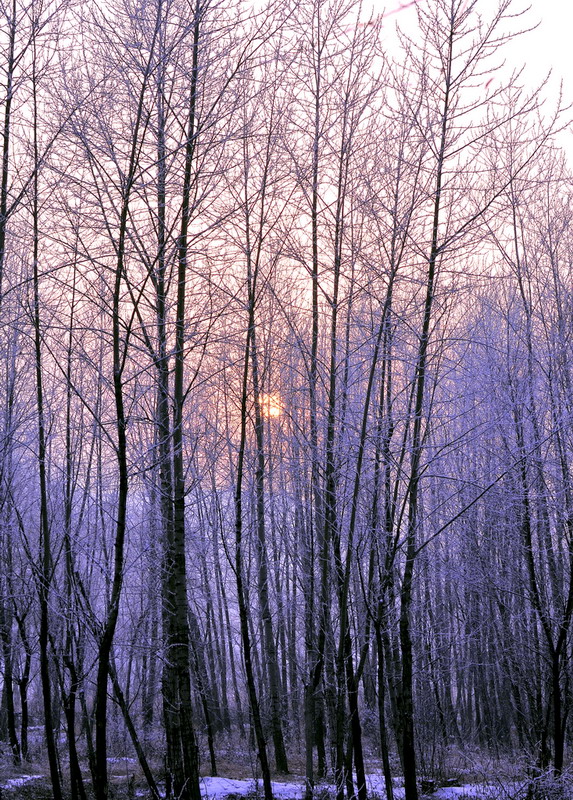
x,y
551,42
548,47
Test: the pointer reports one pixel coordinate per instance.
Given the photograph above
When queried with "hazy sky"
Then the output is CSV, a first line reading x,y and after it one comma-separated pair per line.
x,y
549,46
546,48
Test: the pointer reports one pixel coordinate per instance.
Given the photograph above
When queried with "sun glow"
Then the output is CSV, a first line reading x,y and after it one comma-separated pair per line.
x,y
271,405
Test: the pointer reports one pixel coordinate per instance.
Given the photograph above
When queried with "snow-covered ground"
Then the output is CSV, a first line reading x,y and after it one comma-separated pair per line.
x,y
219,788
21,780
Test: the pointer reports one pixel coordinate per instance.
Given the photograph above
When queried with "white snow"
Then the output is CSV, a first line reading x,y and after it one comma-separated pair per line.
x,y
121,760
13,783
218,788
215,788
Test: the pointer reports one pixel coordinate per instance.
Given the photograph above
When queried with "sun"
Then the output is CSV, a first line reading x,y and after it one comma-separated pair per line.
x,y
271,405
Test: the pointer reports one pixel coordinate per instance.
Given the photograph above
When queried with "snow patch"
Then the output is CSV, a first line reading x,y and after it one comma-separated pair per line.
x,y
13,783
219,788
121,760
216,788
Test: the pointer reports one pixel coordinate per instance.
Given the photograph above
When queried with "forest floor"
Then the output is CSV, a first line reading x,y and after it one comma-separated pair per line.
x,y
452,773
128,786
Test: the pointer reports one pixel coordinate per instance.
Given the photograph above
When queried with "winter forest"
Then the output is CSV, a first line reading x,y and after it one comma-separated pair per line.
x,y
286,398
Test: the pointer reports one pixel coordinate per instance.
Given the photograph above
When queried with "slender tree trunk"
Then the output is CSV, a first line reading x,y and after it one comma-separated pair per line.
x,y
45,573
6,131
101,785
141,757
239,572
271,661
183,758
119,346
8,677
